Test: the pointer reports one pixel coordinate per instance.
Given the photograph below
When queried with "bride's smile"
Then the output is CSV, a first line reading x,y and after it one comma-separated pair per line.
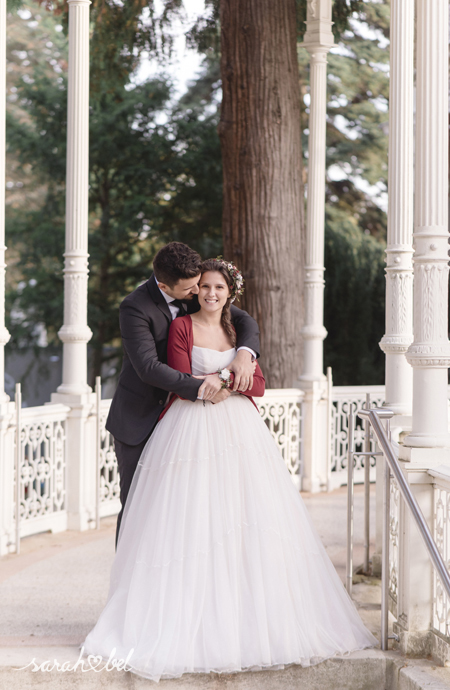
x,y
213,291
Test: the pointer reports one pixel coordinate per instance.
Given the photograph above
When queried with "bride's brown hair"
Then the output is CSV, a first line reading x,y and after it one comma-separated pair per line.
x,y
218,267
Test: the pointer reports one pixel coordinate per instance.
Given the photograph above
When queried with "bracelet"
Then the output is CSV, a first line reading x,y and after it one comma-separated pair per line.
x,y
225,377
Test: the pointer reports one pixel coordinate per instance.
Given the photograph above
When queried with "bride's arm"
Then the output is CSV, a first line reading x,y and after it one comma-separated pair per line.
x,y
178,351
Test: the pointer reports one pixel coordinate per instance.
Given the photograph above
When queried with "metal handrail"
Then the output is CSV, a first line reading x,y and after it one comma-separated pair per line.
x,y
374,416
351,454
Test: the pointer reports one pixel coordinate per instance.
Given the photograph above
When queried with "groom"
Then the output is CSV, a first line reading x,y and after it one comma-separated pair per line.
x,y
145,380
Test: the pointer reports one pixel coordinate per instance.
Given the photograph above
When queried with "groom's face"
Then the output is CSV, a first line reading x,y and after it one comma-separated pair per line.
x,y
184,290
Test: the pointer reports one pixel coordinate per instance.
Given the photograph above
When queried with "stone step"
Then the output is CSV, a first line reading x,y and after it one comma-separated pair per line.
x,y
367,670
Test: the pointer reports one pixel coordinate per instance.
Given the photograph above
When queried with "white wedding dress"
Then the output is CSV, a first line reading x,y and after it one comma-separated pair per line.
x,y
218,565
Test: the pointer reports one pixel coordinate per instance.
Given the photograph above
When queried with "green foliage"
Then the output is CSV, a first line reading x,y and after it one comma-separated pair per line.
x,y
357,120
13,5
155,175
354,302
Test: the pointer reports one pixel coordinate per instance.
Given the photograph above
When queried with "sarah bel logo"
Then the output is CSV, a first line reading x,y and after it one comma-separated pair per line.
x,y
90,663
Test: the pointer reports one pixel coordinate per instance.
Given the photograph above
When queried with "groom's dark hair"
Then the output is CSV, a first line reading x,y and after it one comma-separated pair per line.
x,y
176,261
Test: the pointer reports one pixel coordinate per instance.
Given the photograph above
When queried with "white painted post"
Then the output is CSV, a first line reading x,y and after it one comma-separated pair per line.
x,y
429,354
4,334
75,333
318,40
399,281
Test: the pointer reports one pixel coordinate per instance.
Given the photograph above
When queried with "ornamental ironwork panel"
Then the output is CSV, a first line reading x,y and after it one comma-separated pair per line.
x,y
42,468
441,603
281,411
344,399
394,508
109,473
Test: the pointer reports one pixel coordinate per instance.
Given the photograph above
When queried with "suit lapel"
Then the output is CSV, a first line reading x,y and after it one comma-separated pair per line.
x,y
158,299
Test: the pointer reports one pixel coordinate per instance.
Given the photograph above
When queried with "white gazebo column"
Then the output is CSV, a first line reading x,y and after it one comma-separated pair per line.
x,y
399,251
318,40
75,333
428,444
429,354
399,283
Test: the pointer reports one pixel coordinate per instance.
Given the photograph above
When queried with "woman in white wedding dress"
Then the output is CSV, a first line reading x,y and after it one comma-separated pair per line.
x,y
218,565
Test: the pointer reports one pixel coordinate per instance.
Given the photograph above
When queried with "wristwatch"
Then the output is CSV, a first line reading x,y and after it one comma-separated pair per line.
x,y
225,377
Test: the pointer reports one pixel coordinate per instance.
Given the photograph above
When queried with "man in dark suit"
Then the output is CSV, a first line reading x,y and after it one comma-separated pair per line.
x,y
145,379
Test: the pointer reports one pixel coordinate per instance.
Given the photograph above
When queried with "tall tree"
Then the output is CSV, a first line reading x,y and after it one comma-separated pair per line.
x,y
261,153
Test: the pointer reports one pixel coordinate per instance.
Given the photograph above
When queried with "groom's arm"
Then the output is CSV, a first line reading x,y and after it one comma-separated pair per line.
x,y
247,344
247,331
140,346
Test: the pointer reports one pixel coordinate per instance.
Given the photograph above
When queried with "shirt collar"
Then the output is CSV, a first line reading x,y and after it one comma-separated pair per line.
x,y
167,297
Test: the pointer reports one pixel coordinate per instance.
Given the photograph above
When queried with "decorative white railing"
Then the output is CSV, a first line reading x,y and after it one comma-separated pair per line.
x,y
281,409
42,469
394,508
441,528
107,462
344,399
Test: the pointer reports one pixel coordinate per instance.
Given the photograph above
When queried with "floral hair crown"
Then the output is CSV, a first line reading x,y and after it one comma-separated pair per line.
x,y
236,278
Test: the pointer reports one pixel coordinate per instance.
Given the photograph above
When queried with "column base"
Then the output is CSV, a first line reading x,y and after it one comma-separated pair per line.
x,y
75,389
416,440
307,382
399,409
422,644
72,398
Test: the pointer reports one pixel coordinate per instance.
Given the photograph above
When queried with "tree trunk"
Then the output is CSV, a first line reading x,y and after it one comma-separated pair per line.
x,y
263,190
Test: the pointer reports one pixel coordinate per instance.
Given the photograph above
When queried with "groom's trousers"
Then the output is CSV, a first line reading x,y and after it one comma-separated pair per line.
x,y
127,460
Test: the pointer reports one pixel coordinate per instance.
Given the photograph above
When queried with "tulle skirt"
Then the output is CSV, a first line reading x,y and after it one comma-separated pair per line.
x,y
218,565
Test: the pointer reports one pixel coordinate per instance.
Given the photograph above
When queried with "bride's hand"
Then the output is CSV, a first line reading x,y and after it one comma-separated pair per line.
x,y
221,396
210,386
243,369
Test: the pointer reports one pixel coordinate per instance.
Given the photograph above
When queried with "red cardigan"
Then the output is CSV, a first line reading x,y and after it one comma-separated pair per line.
x,y
179,356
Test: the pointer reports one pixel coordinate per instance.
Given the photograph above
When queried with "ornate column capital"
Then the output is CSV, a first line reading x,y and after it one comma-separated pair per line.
x,y
318,22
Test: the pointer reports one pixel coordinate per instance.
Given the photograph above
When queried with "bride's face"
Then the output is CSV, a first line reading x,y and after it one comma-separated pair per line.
x,y
213,291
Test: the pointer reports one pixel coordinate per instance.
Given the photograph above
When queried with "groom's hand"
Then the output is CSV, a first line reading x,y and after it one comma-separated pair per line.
x,y
243,368
210,386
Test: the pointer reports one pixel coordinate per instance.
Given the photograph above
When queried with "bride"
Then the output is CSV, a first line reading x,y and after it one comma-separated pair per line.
x,y
218,566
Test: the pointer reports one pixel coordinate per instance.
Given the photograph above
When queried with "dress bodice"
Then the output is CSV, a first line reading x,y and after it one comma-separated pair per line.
x,y
207,361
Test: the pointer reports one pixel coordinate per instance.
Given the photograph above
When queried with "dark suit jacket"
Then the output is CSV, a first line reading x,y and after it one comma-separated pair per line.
x,y
145,378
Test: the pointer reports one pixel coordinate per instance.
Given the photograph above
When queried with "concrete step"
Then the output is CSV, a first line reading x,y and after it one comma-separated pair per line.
x,y
367,670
